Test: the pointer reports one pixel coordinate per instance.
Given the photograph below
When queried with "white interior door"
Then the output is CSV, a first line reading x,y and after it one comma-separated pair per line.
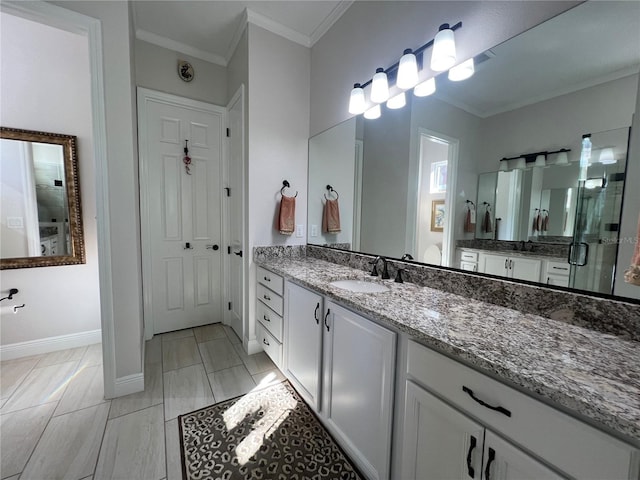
x,y
235,217
181,211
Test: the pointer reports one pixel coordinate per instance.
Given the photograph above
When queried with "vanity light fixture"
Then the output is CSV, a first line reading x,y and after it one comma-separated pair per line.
x,y
443,56
380,87
407,71
396,102
606,156
463,71
357,104
425,88
373,113
537,158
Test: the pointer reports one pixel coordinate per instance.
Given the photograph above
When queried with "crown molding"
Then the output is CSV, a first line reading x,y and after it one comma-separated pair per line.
x,y
277,28
237,35
167,43
329,20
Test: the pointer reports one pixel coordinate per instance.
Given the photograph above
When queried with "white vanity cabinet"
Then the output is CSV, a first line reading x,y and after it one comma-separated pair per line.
x,y
556,272
468,260
519,436
520,268
343,365
269,309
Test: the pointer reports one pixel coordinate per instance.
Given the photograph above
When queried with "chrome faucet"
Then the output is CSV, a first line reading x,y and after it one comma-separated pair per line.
x,y
385,272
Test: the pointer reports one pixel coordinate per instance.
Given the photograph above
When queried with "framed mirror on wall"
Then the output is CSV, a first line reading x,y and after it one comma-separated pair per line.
x,y
40,208
537,92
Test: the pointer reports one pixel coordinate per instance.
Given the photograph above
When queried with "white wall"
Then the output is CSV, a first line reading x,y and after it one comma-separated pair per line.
x,y
46,87
278,133
157,69
332,162
123,193
374,34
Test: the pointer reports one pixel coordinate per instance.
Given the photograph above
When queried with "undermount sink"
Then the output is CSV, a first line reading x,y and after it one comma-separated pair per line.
x,y
359,286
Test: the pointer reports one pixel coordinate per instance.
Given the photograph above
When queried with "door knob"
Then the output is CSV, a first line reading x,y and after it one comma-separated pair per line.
x,y
238,253
212,247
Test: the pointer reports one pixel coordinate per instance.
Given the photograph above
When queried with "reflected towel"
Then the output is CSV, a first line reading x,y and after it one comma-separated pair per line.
x,y
534,227
545,222
632,275
331,217
469,225
486,223
287,215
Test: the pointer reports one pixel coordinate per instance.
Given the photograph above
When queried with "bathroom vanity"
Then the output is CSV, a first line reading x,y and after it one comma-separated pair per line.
x,y
510,394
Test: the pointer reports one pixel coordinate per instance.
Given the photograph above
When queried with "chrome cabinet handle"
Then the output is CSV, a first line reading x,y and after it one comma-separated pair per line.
x,y
501,410
326,324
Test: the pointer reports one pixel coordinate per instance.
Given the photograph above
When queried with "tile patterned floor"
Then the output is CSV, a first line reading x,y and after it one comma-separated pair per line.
x,y
55,422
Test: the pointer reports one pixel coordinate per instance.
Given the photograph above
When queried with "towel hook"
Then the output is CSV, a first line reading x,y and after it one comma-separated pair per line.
x,y
469,201
285,184
331,190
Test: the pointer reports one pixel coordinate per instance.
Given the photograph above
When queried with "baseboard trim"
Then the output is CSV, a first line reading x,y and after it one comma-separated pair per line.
x,y
129,384
251,346
49,344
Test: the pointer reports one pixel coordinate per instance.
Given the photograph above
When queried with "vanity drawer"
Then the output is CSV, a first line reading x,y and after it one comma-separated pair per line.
x,y
558,268
270,345
468,256
270,320
574,447
271,280
270,299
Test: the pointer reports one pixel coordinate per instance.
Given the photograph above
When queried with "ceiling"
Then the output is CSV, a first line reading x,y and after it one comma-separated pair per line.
x,y
590,44
210,30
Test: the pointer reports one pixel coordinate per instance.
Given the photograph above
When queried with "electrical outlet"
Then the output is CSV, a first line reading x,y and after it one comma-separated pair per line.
x,y
300,230
314,230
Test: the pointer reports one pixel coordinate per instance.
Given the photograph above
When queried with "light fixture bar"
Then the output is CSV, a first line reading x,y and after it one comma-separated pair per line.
x,y
531,157
417,52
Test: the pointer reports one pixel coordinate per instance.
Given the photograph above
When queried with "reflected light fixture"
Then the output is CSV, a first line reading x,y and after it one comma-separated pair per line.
x,y
398,101
407,71
463,71
373,113
357,103
562,159
425,88
443,56
380,87
606,156
541,160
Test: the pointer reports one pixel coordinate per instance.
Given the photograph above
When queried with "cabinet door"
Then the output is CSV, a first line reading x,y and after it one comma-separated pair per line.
x,y
496,265
358,384
525,269
303,341
439,441
503,461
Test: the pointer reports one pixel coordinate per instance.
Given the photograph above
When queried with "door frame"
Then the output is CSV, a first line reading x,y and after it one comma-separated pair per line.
x,y
146,95
238,96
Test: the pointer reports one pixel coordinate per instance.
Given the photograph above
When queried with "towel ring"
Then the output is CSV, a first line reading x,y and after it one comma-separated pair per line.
x,y
331,190
285,184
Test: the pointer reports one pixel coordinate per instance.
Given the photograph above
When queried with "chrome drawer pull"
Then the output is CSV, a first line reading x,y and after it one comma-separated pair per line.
x,y
502,410
266,297
266,318
264,340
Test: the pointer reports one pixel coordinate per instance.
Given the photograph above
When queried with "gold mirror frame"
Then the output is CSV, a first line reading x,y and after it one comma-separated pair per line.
x,y
72,180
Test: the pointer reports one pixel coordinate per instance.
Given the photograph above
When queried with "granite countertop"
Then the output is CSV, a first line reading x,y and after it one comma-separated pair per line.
x,y
594,374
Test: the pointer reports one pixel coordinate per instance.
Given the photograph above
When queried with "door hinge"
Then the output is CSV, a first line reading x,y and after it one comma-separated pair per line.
x,y
228,190
229,305
229,249
228,132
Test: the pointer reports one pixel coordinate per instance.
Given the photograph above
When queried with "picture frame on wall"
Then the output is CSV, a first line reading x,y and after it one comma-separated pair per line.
x,y
437,215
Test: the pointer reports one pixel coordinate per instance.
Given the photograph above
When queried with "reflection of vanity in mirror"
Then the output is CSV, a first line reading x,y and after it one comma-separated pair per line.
x,y
41,213
531,218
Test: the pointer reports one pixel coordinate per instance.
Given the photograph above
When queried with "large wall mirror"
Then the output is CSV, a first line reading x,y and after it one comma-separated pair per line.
x,y
427,180
41,217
